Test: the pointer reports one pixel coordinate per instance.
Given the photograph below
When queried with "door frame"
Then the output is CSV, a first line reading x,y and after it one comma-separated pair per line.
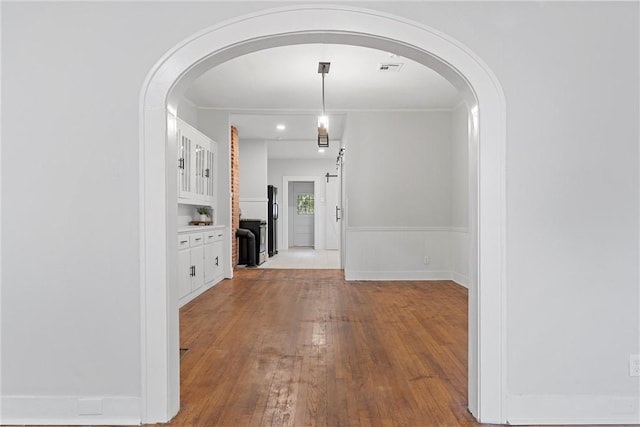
x,y
177,69
317,181
331,214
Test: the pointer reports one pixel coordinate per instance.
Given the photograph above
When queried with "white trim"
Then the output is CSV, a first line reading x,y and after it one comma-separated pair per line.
x,y
163,90
400,229
1,222
342,111
190,103
398,275
460,279
116,410
204,288
461,230
562,409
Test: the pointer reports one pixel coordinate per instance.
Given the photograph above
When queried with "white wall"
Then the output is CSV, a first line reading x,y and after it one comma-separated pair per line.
x,y
399,169
459,231
459,168
277,168
71,77
188,112
400,195
253,179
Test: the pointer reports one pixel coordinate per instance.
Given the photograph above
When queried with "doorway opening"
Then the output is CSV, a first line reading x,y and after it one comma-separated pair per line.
x,y
297,25
301,209
305,229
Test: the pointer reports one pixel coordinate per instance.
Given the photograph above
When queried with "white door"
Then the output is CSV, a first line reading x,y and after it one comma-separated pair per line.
x,y
303,213
184,164
333,212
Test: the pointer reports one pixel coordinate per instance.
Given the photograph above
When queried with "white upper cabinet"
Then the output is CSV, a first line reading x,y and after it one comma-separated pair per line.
x,y
197,157
184,163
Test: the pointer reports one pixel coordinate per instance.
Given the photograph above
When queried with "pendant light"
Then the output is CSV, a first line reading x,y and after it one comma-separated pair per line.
x,y
323,120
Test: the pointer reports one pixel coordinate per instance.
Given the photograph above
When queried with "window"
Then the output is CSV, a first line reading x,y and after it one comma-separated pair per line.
x,y
305,204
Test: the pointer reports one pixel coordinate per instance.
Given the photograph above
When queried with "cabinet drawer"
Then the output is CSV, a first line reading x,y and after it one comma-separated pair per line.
x,y
183,241
195,239
213,236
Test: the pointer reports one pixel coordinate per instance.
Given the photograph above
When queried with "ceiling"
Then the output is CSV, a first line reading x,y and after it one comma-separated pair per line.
x,y
282,86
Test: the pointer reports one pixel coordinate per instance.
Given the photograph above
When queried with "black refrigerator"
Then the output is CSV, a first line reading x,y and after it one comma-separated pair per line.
x,y
272,220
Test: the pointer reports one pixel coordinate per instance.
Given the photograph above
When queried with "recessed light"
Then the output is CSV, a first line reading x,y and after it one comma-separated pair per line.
x,y
320,150
281,127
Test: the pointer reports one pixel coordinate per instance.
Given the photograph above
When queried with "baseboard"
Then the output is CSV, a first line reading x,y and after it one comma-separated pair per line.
x,y
397,275
460,279
204,288
561,409
70,410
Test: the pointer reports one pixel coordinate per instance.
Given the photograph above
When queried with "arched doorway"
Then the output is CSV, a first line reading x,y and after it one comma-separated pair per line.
x,y
298,25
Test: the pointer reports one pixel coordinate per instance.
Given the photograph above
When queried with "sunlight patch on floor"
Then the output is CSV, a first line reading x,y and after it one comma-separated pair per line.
x,y
304,258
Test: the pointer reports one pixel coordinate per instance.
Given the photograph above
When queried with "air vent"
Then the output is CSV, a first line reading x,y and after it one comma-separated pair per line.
x,y
390,67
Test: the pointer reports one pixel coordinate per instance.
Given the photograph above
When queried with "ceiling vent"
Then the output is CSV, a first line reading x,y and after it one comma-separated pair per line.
x,y
390,67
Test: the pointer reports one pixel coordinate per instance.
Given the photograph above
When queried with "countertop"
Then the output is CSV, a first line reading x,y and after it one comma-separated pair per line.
x,y
192,228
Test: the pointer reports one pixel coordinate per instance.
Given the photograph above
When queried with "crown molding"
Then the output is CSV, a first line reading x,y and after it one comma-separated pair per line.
x,y
331,112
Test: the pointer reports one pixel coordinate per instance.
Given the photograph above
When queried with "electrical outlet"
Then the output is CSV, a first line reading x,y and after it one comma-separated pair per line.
x,y
426,259
634,365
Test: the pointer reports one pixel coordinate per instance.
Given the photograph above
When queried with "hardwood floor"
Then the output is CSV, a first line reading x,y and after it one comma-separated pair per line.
x,y
304,347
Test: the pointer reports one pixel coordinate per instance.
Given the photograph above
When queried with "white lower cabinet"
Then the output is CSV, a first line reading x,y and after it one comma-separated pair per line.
x,y
185,270
217,247
199,262
197,280
213,255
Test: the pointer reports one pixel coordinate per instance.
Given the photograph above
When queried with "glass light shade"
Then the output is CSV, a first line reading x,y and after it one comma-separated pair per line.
x,y
323,122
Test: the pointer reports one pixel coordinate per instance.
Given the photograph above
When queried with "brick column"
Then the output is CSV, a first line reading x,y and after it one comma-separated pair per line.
x,y
235,194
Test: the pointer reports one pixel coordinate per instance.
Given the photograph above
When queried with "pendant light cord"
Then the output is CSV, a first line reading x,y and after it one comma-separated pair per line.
x,y
323,111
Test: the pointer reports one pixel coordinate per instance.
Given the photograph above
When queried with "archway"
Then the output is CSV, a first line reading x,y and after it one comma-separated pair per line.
x,y
161,93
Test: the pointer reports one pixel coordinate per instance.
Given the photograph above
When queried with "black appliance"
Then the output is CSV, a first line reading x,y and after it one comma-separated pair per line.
x,y
259,229
272,217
